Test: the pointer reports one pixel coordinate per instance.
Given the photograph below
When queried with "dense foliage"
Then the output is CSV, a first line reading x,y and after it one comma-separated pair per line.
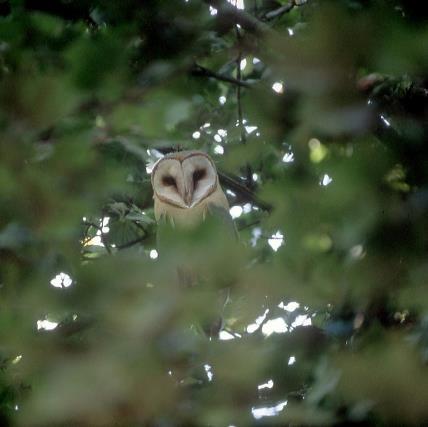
x,y
316,115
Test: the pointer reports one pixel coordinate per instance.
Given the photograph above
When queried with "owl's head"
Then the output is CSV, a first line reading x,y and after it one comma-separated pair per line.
x,y
184,179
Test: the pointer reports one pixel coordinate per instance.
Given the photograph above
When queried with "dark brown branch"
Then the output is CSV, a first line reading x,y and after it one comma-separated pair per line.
x,y
199,71
132,243
105,243
91,224
243,191
251,224
239,101
68,328
420,91
229,13
102,235
367,84
280,11
238,90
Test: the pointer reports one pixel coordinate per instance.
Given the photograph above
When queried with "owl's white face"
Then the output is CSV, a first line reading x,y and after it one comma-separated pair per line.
x,y
184,179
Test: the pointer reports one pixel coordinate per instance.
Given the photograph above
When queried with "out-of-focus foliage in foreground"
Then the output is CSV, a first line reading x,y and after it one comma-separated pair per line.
x,y
316,114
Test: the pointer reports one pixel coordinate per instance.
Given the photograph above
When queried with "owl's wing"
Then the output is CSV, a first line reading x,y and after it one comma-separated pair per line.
x,y
223,215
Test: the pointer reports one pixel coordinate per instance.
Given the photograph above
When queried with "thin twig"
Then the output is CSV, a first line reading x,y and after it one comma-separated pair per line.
x,y
420,91
280,11
199,71
91,224
132,243
227,12
102,235
249,225
105,243
238,89
239,101
243,191
69,328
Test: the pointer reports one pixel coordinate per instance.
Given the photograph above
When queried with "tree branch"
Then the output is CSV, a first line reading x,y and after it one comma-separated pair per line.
x,y
239,102
251,224
243,191
232,15
102,235
91,224
199,71
276,13
280,11
132,242
238,89
68,328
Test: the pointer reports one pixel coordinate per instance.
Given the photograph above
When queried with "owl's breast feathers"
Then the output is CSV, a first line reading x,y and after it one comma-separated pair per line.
x,y
193,216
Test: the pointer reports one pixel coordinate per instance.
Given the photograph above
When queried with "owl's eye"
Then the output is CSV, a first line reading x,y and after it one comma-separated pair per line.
x,y
169,181
198,175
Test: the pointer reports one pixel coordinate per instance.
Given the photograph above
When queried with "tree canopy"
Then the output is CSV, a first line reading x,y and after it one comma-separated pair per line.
x,y
316,115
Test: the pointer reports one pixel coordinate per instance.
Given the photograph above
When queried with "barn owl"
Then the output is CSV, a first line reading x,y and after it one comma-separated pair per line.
x,y
186,188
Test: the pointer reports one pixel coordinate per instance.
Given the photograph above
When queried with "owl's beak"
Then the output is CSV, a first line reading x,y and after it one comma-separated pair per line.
x,y
188,195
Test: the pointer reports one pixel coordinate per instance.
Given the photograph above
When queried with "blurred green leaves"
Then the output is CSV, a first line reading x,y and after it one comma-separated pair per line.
x,y
393,393
93,59
315,316
157,115
37,100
